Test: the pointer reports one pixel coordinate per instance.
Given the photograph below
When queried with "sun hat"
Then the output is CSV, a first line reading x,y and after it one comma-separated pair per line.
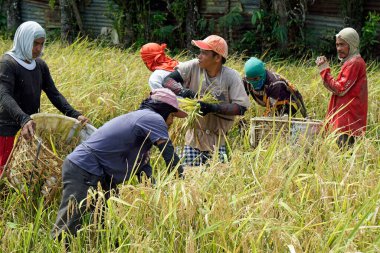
x,y
166,96
214,43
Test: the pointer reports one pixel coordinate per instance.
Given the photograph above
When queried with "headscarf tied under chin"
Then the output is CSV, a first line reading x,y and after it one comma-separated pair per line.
x,y
159,107
154,57
350,36
24,38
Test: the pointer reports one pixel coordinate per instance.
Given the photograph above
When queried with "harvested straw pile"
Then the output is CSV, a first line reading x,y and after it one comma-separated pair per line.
x,y
35,166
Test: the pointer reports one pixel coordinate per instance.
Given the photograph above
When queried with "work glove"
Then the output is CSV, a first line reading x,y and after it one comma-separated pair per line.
x,y
207,108
187,93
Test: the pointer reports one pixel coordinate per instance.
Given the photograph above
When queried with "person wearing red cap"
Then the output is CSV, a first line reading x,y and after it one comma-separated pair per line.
x,y
155,59
207,74
115,152
347,111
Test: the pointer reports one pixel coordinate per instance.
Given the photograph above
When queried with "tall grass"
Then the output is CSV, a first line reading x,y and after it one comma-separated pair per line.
x,y
308,197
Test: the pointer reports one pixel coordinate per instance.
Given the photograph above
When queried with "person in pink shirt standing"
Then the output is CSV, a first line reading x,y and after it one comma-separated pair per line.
x,y
347,111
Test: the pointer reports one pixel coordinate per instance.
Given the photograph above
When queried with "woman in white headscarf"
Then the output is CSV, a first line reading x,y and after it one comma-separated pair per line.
x,y
348,106
23,76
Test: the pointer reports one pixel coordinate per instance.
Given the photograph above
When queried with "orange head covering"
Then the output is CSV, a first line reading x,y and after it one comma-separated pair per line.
x,y
154,57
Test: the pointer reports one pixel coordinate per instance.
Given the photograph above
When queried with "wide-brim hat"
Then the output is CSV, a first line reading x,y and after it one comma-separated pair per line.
x,y
167,96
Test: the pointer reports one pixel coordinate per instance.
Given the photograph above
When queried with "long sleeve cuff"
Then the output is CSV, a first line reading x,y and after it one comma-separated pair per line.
x,y
323,66
25,120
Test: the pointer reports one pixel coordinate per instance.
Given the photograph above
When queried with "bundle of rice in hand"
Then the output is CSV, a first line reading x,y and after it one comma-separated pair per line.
x,y
193,108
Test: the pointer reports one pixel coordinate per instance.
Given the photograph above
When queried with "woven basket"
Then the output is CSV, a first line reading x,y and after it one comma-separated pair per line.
x,y
34,167
266,129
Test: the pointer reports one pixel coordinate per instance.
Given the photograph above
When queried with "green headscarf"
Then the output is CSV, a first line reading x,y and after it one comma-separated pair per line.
x,y
255,68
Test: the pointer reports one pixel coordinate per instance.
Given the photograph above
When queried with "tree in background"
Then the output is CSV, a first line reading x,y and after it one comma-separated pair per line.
x,y
192,14
68,32
278,26
169,21
280,8
13,14
353,13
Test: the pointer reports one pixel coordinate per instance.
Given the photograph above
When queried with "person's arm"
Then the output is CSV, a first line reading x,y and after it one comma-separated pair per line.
x,y
344,83
250,91
7,91
156,79
153,127
278,95
247,86
239,101
174,82
224,109
147,170
56,98
346,78
171,158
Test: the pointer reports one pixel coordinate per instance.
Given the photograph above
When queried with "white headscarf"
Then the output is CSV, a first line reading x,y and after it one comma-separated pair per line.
x,y
350,36
23,41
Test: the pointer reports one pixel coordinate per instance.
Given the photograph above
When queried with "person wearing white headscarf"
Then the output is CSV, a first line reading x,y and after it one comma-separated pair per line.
x,y
348,107
23,43
23,76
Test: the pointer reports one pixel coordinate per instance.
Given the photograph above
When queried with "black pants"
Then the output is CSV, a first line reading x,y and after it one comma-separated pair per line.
x,y
76,183
345,141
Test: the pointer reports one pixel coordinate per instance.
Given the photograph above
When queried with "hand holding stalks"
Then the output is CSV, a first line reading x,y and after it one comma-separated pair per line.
x,y
28,130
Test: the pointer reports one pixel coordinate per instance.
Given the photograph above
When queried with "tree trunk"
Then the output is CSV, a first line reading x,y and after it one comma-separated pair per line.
x,y
129,35
77,17
226,27
279,7
13,14
353,13
191,25
67,24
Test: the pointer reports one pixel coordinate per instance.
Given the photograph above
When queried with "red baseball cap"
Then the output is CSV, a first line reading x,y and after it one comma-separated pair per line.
x,y
214,43
168,97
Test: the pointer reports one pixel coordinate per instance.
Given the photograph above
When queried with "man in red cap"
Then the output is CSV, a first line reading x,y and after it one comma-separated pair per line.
x,y
207,74
115,152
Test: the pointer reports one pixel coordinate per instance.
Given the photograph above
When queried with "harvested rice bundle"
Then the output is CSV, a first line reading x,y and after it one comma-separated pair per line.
x,y
192,107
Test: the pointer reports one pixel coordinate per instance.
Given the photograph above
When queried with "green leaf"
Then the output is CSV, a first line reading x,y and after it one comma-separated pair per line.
x,y
12,225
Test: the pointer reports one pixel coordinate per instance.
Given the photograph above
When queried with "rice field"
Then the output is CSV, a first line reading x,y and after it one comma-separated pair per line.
x,y
279,197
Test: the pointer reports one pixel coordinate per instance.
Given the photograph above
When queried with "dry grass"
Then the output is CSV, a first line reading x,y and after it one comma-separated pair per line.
x,y
312,197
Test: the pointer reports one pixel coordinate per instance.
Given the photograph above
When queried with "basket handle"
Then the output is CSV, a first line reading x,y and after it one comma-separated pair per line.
x,y
39,143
